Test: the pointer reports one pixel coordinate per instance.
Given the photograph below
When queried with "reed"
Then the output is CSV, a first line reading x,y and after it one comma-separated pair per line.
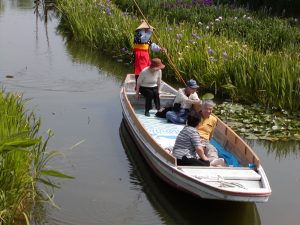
x,y
239,66
23,159
257,29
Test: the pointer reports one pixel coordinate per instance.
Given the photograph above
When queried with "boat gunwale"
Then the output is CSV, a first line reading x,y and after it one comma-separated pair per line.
x,y
265,191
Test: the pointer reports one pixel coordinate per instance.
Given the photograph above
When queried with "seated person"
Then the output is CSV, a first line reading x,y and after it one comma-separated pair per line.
x,y
188,149
183,102
206,129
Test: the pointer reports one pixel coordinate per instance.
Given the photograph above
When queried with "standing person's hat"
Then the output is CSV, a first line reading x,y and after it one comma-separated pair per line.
x,y
144,25
192,84
156,64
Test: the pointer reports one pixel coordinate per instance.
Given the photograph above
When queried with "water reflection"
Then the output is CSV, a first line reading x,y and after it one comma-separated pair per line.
x,y
43,11
21,4
107,66
280,149
175,207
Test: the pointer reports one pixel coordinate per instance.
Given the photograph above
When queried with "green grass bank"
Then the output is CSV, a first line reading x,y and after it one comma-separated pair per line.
x,y
24,177
217,46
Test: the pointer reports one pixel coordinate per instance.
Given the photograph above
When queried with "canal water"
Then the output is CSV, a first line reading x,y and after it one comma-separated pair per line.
x,y
75,91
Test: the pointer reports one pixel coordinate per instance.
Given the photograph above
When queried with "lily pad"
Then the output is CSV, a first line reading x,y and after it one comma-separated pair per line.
x,y
208,96
256,122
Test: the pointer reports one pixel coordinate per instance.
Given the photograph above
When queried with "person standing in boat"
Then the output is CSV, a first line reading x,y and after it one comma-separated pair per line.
x,y
148,84
142,43
206,129
184,100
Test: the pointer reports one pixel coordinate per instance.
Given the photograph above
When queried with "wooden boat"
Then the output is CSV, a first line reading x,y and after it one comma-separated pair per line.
x,y
154,136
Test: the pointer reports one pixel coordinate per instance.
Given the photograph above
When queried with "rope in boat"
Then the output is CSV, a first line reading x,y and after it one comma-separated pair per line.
x,y
223,183
158,41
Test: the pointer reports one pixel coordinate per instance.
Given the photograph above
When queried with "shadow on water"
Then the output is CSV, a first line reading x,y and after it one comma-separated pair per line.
x,y
175,207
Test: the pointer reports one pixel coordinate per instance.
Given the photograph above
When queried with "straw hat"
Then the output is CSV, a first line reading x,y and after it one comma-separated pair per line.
x,y
156,64
144,25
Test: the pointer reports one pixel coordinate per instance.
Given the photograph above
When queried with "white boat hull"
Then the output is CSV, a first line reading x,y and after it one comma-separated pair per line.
x,y
220,183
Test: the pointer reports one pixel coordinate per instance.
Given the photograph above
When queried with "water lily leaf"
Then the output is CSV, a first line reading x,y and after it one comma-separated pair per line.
x,y
243,130
208,96
229,86
267,138
246,121
251,136
269,124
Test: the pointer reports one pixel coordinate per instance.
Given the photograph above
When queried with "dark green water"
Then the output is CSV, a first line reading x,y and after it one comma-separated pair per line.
x,y
76,93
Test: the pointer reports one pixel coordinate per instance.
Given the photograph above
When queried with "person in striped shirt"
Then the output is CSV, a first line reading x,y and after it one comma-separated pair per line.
x,y
188,149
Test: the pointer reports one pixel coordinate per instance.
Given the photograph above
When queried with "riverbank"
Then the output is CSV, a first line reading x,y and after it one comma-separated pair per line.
x,y
230,66
23,160
76,93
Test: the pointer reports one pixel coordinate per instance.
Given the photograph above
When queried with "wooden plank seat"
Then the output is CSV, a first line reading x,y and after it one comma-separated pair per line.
x,y
228,173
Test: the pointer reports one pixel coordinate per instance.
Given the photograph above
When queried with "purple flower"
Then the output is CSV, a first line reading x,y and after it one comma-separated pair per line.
x,y
210,51
225,54
208,2
108,12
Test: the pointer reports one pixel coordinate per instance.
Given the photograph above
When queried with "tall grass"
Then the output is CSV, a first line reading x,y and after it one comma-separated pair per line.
x,y
259,30
98,23
228,66
23,159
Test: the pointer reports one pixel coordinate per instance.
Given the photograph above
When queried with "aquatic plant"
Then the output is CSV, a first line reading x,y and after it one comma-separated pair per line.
x,y
23,160
254,122
231,68
259,30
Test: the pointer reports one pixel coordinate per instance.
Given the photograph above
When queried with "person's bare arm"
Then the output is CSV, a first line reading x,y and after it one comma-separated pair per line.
x,y
200,152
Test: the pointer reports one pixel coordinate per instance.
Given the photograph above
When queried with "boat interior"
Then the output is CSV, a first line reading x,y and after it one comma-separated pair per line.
x,y
236,153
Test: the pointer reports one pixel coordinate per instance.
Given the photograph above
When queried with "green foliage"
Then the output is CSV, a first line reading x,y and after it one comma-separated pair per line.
x,y
230,52
98,23
23,159
255,29
254,122
279,7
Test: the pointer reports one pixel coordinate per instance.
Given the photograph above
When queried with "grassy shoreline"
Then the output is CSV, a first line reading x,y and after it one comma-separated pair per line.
x,y
23,161
229,67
